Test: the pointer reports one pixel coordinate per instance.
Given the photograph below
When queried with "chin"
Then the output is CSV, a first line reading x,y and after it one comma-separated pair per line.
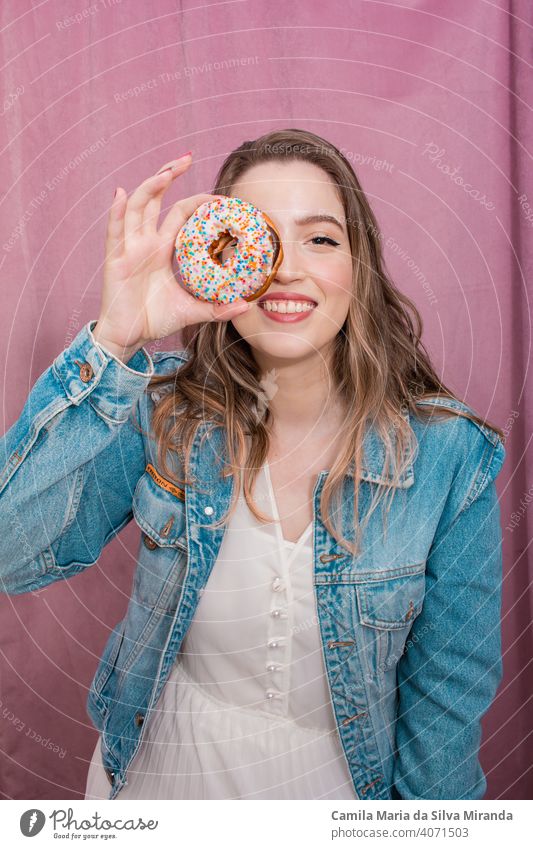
x,y
283,347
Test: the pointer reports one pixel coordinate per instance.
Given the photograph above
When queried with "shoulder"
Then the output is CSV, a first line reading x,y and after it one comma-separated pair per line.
x,y
466,453
166,362
468,428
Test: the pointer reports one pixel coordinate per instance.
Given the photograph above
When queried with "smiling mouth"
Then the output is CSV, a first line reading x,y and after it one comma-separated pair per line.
x,y
283,306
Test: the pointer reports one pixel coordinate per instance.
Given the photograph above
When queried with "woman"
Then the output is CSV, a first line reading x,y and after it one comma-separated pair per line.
x,y
284,638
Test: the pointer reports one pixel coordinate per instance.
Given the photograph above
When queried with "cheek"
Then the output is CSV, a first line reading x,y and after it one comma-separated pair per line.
x,y
336,280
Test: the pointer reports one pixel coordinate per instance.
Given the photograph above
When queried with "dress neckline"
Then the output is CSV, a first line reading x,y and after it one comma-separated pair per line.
x,y
286,542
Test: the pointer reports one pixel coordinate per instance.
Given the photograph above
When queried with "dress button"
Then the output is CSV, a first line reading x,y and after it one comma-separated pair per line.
x,y
277,584
273,644
272,667
275,613
208,511
139,718
86,371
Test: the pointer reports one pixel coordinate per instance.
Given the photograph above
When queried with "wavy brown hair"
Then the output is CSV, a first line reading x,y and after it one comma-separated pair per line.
x,y
379,365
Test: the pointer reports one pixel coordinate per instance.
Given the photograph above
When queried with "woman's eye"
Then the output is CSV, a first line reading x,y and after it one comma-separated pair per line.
x,y
321,239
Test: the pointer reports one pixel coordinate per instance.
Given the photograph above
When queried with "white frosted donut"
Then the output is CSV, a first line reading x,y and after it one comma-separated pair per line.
x,y
250,269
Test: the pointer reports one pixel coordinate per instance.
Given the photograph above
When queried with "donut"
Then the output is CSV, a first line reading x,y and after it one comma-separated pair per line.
x,y
248,272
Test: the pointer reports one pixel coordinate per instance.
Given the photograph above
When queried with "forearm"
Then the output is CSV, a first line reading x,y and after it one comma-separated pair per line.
x,y
76,413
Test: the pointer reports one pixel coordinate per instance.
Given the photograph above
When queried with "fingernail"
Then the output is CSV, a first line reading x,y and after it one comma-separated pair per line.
x,y
169,167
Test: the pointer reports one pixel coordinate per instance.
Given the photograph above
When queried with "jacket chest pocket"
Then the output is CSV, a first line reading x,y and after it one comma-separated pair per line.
x,y
387,608
162,556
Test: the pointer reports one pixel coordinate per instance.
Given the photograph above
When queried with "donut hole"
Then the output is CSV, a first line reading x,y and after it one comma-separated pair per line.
x,y
217,248
222,249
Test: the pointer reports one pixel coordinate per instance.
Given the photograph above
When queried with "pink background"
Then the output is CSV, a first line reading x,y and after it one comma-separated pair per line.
x,y
419,95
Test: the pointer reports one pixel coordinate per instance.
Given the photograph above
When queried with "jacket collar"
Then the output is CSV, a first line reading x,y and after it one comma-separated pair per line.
x,y
374,458
372,465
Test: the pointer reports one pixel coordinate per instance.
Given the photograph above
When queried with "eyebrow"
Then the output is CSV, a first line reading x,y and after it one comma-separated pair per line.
x,y
315,219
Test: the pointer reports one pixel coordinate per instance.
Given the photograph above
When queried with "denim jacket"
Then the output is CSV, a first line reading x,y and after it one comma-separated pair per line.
x,y
410,627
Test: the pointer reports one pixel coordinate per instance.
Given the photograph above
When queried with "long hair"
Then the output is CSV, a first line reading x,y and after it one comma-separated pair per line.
x,y
379,365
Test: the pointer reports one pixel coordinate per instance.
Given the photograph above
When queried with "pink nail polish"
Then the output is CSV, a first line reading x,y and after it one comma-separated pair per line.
x,y
183,155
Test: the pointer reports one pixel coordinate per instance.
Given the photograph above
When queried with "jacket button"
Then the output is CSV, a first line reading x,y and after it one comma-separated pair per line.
x,y
149,542
139,718
86,372
410,610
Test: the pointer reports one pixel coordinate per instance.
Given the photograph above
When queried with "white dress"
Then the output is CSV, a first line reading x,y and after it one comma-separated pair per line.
x,y
246,711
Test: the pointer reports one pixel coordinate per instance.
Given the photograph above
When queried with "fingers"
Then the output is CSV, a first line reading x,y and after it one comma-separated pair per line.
x,y
179,213
199,311
114,245
156,184
152,208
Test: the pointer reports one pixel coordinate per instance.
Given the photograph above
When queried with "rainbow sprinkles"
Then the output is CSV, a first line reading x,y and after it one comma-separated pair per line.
x,y
251,267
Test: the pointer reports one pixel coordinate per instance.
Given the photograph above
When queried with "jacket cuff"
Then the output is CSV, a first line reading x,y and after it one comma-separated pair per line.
x,y
86,368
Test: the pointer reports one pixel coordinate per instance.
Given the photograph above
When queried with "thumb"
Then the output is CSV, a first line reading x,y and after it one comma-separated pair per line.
x,y
224,312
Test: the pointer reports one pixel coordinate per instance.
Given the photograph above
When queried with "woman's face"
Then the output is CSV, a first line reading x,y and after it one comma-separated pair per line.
x,y
317,262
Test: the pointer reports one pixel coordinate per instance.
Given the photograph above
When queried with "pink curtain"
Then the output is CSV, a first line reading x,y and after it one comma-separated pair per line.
x,y
428,99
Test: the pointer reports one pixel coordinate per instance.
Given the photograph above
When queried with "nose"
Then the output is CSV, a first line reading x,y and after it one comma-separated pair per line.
x,y
290,266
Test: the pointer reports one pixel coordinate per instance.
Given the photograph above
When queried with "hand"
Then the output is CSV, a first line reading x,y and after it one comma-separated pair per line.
x,y
141,298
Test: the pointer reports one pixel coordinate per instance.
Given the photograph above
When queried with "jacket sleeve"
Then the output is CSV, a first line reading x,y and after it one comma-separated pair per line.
x,y
451,666
69,464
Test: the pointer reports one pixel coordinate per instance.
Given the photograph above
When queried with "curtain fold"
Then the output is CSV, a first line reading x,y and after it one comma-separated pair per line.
x,y
430,101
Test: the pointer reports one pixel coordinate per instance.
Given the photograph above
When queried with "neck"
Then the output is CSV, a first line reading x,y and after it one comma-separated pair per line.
x,y
300,395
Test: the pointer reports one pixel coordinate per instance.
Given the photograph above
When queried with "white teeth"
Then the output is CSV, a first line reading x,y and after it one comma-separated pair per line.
x,y
287,306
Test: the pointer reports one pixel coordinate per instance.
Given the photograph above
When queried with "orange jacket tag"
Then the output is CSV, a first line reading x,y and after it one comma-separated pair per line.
x,y
164,484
